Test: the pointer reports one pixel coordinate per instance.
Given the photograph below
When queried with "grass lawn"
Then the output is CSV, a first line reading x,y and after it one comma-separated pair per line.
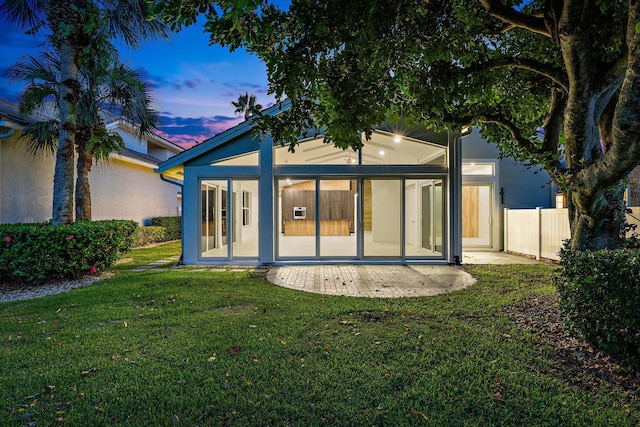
x,y
202,348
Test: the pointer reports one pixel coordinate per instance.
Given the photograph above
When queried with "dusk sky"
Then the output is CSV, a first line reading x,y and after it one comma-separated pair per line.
x,y
193,83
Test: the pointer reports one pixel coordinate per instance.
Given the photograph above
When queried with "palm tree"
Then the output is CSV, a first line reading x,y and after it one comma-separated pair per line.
x,y
105,82
247,105
73,24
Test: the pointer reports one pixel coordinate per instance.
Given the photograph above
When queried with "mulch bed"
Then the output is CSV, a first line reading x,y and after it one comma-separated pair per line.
x,y
578,362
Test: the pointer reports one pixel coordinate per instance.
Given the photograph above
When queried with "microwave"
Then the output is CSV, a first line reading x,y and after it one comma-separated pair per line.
x,y
299,212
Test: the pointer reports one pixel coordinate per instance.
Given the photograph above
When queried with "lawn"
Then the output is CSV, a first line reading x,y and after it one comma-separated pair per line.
x,y
184,347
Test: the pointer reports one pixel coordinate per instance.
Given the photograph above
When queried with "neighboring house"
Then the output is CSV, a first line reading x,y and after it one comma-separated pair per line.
x,y
409,196
123,187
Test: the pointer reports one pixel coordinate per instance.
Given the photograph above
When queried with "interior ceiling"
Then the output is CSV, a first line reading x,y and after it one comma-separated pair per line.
x,y
383,148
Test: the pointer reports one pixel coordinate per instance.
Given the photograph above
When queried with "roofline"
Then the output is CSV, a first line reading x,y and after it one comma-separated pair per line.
x,y
219,139
11,124
127,159
163,141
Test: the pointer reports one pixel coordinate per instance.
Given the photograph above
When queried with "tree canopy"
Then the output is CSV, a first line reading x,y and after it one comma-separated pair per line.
x,y
555,83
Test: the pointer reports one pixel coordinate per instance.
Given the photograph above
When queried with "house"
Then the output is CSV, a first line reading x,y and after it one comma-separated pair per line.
x,y
124,187
409,196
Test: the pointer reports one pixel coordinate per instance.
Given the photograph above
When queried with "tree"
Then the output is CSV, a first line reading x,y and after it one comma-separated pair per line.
x,y
72,25
105,82
571,68
246,105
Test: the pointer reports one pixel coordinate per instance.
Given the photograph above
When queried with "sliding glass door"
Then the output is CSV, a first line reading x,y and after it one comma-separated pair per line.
x,y
229,215
366,218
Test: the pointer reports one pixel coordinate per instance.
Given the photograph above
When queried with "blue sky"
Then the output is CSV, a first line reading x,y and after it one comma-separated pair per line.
x,y
193,83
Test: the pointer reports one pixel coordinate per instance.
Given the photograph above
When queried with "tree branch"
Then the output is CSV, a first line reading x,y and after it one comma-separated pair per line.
x,y
513,129
554,121
546,70
498,10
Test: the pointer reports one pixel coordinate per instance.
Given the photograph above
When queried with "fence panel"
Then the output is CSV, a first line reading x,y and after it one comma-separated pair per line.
x,y
541,232
522,231
554,230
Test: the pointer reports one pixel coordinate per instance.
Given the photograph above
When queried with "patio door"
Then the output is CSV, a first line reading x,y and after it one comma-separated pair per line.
x,y
477,218
357,219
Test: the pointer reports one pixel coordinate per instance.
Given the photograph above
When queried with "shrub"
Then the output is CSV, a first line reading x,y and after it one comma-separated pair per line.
x,y
150,234
600,298
172,224
31,252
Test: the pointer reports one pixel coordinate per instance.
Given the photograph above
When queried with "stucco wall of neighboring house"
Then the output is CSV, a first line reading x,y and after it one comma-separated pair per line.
x,y
121,190
134,142
523,187
26,183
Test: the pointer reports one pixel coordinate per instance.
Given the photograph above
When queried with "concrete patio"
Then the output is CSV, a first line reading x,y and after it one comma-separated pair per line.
x,y
385,281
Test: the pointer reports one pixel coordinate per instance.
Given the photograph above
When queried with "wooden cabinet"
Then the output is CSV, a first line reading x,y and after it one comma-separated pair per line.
x,y
337,209
298,227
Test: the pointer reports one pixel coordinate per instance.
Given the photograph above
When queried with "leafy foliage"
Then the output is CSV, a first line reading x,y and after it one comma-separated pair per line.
x,y
600,298
35,252
172,225
150,234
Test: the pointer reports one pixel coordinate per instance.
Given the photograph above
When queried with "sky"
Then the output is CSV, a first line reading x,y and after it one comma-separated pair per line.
x,y
193,83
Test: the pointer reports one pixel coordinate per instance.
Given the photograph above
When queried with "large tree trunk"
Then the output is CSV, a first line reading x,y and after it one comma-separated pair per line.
x,y
600,223
602,133
63,189
83,192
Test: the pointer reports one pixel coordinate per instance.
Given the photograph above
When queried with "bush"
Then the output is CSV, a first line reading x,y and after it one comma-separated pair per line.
x,y
150,234
600,299
172,224
31,252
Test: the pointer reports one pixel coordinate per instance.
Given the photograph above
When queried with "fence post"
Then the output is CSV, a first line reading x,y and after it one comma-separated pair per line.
x,y
505,233
539,239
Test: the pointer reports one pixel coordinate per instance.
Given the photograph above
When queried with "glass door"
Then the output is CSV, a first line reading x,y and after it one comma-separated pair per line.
x,y
338,218
476,215
296,221
382,218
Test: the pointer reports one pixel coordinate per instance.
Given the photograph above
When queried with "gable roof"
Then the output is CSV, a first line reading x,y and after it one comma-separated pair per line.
x,y
10,112
219,139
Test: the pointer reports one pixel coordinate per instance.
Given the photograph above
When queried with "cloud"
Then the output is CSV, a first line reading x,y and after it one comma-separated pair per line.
x,y
187,131
158,82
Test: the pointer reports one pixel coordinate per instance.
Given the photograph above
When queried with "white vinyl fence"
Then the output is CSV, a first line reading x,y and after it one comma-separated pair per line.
x,y
540,232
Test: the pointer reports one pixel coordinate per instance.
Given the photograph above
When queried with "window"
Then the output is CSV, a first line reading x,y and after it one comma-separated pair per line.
x,y
246,208
486,169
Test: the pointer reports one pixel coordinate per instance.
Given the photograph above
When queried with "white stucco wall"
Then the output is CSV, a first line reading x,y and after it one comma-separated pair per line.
x,y
119,190
26,183
134,142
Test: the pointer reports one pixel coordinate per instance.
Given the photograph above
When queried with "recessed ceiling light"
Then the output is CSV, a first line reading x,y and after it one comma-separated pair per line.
x,y
382,152
397,139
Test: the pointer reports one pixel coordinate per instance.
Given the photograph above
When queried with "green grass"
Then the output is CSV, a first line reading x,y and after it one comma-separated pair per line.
x,y
204,348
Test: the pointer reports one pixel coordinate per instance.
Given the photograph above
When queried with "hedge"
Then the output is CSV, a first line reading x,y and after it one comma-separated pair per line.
x,y
172,224
150,234
600,299
33,252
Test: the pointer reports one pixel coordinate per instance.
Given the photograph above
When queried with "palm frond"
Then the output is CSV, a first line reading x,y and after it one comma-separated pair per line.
x,y
27,14
129,20
41,136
